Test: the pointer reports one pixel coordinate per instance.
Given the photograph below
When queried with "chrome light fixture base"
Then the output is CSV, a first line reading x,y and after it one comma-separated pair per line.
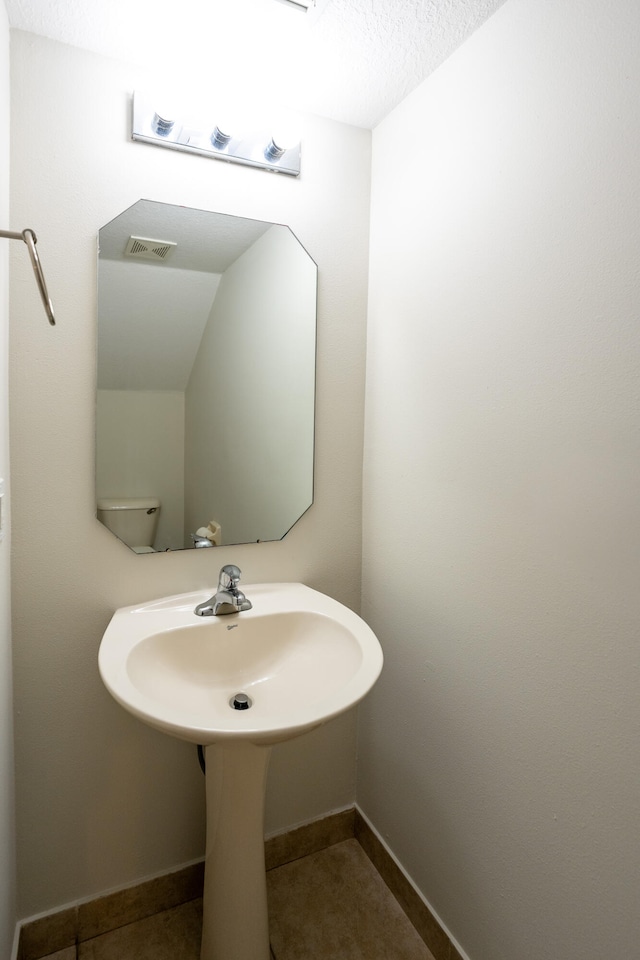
x,y
300,4
250,148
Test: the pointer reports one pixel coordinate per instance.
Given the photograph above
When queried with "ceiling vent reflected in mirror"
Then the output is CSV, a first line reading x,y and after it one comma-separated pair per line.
x,y
142,248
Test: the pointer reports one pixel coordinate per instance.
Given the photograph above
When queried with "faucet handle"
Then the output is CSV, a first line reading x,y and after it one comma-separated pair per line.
x,y
229,576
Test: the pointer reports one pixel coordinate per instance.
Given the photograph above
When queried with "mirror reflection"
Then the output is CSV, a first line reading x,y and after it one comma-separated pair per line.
x,y
206,378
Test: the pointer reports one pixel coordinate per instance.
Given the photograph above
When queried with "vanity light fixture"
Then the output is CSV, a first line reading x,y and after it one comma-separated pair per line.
x,y
164,127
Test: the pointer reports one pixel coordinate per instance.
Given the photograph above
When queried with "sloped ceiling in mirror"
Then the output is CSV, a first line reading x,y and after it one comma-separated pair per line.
x,y
205,246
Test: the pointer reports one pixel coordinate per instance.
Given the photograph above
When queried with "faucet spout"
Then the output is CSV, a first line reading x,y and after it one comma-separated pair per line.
x,y
228,598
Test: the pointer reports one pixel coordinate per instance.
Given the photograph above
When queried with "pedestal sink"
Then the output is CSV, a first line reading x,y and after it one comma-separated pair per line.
x,y
300,659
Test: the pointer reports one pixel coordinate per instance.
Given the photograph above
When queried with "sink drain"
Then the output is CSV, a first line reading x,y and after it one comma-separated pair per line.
x,y
240,701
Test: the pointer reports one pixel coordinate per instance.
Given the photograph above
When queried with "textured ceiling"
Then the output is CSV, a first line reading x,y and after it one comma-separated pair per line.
x,y
351,60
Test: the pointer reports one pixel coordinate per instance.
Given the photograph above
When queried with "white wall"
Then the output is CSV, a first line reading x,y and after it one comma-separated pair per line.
x,y
250,396
7,824
103,800
499,752
140,453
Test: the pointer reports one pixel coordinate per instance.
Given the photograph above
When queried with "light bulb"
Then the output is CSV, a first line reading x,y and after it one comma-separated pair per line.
x,y
164,118
283,138
220,139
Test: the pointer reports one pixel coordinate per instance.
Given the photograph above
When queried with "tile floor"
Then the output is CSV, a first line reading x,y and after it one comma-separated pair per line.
x,y
331,905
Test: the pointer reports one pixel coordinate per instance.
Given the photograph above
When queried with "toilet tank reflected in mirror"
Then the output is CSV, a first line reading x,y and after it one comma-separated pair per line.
x,y
134,520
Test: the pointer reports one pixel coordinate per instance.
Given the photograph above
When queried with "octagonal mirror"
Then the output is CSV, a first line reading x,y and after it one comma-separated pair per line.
x,y
206,378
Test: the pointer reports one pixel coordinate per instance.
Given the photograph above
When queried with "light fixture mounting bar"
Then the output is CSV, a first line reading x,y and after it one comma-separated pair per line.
x,y
299,4
255,148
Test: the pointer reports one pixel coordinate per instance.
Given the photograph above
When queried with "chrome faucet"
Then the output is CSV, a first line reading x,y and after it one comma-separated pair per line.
x,y
228,598
200,542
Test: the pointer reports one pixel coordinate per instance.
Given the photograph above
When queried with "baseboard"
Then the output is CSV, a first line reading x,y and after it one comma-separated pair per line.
x,y
431,929
16,943
40,936
309,838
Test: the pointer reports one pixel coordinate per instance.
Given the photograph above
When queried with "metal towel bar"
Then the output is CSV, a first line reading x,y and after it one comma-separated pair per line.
x,y
29,237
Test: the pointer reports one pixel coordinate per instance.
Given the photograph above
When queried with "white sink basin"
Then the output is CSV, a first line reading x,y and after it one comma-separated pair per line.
x,y
301,657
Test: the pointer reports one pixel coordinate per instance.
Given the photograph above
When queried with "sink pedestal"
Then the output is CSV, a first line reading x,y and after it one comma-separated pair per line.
x,y
235,917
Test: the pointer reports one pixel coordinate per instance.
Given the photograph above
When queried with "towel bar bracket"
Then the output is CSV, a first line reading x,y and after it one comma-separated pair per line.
x,y
29,237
